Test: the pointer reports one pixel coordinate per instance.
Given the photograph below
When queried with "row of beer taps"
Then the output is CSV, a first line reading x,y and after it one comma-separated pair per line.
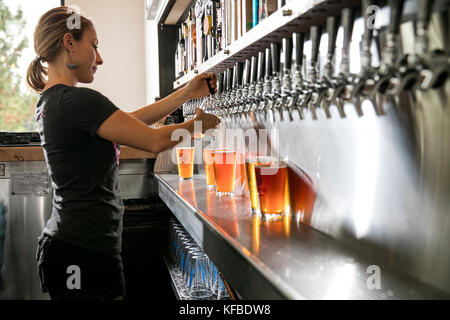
x,y
261,87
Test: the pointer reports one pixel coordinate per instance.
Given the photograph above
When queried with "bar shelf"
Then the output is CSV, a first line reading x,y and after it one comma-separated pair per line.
x,y
279,260
294,16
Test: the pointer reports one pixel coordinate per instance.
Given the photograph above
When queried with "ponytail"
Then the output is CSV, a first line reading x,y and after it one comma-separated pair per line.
x,y
36,75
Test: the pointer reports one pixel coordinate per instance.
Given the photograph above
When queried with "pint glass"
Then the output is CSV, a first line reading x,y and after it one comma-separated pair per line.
x,y
270,176
208,160
224,171
185,161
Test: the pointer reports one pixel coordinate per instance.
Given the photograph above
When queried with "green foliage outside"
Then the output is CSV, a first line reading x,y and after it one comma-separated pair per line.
x,y
16,107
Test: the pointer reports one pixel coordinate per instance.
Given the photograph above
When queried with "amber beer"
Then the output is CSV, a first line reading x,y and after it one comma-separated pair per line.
x,y
250,164
271,184
224,171
185,161
208,160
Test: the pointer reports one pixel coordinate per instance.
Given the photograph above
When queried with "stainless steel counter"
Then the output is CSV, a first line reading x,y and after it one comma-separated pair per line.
x,y
281,259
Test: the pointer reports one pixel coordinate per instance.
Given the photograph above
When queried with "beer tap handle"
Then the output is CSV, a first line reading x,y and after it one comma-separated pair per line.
x,y
347,17
219,83
315,42
332,27
424,14
235,86
229,79
253,69
287,55
387,67
423,20
390,54
224,81
234,83
261,69
396,15
315,39
298,39
246,76
435,65
268,67
239,72
366,57
275,53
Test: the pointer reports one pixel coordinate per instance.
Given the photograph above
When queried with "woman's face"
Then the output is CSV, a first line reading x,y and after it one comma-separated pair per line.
x,y
87,56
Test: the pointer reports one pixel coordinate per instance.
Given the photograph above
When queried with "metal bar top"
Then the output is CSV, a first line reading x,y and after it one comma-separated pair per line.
x,y
280,259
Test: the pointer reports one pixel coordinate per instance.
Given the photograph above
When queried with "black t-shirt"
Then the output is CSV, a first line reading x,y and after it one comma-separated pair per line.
x,y
87,207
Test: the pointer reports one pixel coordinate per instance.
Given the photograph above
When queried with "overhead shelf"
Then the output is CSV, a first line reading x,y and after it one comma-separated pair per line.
x,y
294,16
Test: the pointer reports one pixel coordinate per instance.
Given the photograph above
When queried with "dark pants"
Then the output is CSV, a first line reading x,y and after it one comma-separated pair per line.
x,y
73,273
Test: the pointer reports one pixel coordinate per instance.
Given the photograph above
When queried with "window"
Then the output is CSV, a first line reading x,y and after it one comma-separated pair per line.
x,y
17,22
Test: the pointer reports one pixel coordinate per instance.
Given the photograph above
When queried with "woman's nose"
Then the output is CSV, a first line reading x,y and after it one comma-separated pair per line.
x,y
99,59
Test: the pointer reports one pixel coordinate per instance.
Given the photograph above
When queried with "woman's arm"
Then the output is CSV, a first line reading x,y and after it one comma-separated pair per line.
x,y
196,88
124,129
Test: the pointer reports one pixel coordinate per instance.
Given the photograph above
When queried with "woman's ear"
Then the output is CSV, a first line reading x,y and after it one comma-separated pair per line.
x,y
69,42
69,45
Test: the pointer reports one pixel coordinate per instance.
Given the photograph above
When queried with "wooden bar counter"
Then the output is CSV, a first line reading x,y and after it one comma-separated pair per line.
x,y
34,153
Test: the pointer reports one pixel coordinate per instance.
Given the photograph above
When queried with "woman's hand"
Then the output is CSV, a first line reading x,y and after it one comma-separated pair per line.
x,y
209,121
198,87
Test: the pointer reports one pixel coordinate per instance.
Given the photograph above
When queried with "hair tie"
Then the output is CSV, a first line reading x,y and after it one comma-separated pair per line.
x,y
39,58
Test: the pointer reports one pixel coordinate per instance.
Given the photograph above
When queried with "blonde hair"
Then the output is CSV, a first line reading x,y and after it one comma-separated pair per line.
x,y
48,37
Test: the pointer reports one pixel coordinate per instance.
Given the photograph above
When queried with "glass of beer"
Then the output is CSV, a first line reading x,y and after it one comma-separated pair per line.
x,y
250,163
208,160
271,176
224,171
185,161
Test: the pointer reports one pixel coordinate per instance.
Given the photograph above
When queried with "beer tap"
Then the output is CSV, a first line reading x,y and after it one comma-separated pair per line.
x,y
286,88
252,86
276,81
433,67
298,40
209,100
246,80
231,108
227,104
310,87
245,89
221,104
343,82
218,96
412,68
387,78
364,82
266,94
237,88
321,90
222,99
259,86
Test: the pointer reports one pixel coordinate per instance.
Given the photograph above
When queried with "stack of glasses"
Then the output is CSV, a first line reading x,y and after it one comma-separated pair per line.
x,y
195,276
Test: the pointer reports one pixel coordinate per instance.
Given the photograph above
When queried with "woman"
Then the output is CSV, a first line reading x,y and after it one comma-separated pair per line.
x,y
80,129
